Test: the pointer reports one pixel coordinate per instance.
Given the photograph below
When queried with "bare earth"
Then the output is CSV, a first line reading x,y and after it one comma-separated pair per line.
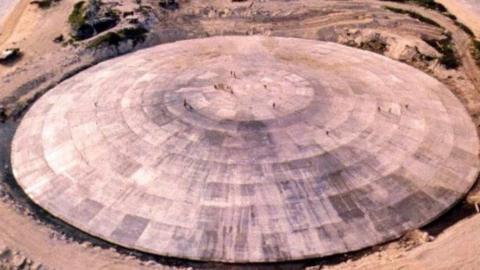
x,y
467,11
456,248
6,7
10,14
21,27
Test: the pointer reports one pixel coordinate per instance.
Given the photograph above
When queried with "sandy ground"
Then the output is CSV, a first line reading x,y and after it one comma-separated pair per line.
x,y
456,248
10,13
21,30
5,7
467,11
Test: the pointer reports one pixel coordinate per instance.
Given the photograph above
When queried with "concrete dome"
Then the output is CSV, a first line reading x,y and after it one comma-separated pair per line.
x,y
247,149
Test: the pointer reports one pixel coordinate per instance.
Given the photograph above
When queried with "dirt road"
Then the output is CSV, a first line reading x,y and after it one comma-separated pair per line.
x,y
467,11
10,16
461,39
5,7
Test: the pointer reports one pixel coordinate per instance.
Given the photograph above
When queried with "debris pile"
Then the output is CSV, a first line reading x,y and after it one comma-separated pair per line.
x,y
15,260
9,55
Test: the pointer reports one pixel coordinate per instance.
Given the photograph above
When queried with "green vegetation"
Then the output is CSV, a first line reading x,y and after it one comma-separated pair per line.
x,y
465,28
445,46
413,15
376,45
430,4
112,13
108,39
476,51
450,15
89,18
135,34
77,18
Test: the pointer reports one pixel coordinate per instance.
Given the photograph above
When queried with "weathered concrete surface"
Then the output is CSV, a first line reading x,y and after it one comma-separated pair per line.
x,y
247,149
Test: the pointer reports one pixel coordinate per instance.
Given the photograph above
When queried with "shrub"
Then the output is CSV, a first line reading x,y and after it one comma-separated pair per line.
x,y
77,17
413,15
431,4
476,51
445,46
89,18
136,34
465,28
108,39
